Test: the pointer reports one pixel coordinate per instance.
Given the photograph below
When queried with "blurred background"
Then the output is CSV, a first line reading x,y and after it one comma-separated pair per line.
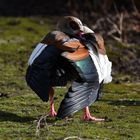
x,y
83,8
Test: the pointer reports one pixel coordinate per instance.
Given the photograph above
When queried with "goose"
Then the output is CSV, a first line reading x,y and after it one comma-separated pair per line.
x,y
71,53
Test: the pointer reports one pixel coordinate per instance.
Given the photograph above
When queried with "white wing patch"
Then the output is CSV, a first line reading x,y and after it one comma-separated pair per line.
x,y
36,52
103,66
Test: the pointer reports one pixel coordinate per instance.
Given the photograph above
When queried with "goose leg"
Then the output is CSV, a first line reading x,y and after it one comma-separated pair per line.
x,y
87,116
52,110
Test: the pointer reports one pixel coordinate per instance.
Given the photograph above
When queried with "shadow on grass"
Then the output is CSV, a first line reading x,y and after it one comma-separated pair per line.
x,y
123,102
8,116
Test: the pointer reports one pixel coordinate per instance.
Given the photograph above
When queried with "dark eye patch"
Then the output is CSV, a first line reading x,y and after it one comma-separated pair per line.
x,y
74,25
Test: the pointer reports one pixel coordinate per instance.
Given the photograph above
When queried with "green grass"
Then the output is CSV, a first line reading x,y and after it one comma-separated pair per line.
x,y
20,108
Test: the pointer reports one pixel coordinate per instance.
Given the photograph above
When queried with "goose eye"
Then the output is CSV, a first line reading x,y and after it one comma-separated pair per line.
x,y
74,25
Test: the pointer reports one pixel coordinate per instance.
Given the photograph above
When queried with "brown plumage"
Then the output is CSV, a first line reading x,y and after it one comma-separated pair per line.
x,y
101,46
75,50
56,38
80,51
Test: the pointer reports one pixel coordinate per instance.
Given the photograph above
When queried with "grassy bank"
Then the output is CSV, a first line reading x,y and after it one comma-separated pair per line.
x,y
21,109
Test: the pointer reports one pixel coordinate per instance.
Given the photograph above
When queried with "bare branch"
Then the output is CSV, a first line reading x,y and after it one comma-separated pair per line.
x,y
121,26
116,38
114,25
111,32
115,7
134,6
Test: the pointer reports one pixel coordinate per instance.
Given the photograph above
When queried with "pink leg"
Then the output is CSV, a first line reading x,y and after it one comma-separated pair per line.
x,y
52,110
87,116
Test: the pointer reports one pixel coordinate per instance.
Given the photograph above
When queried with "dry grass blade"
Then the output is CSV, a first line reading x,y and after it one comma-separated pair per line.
x,y
73,137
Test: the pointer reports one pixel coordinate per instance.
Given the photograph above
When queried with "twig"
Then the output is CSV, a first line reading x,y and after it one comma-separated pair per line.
x,y
117,28
111,32
121,26
98,23
134,6
114,25
115,7
40,124
55,124
116,38
72,137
